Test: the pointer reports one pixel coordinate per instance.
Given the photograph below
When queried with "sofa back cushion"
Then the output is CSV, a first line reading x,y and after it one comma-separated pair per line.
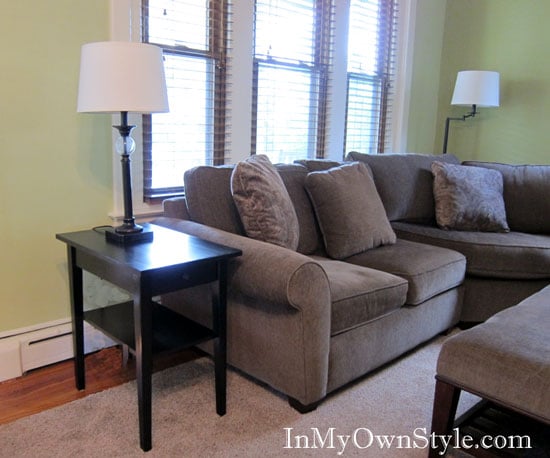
x,y
294,177
209,199
405,183
526,191
318,165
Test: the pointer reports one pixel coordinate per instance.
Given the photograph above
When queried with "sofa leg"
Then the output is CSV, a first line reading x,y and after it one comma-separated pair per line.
x,y
444,410
302,408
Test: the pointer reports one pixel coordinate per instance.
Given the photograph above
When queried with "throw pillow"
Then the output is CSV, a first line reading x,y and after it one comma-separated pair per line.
x,y
263,202
349,210
468,198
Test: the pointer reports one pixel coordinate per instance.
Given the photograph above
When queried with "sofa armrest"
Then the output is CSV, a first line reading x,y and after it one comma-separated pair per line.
x,y
175,207
265,271
279,312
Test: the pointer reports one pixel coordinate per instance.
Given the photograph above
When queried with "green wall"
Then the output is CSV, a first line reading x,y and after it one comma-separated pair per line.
x,y
426,55
56,172
56,164
513,38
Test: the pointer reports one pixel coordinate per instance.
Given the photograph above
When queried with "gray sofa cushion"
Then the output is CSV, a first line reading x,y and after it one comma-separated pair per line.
x,y
318,165
430,270
294,177
404,182
468,198
526,195
349,211
513,255
263,203
359,295
209,199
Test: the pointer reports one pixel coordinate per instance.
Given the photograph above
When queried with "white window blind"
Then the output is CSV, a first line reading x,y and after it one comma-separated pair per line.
x,y
371,54
194,38
292,40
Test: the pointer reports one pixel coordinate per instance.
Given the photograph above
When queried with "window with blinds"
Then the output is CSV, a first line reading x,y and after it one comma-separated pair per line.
x,y
194,38
371,51
292,40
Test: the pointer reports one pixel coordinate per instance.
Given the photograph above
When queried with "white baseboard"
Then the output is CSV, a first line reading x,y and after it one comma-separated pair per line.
x,y
25,349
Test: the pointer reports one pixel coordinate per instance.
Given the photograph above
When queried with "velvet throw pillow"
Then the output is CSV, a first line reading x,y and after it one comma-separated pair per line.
x,y
263,202
468,198
349,210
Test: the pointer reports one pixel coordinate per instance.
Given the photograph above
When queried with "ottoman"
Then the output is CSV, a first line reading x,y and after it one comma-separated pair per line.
x,y
505,360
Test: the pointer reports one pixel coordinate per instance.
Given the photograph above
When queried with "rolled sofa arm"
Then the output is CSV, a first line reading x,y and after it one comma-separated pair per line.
x,y
264,270
279,312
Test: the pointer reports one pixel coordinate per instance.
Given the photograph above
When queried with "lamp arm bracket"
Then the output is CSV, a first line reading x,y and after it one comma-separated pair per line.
x,y
471,114
448,120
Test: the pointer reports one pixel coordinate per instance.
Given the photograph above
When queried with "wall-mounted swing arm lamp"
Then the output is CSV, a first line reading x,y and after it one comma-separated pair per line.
x,y
473,88
122,77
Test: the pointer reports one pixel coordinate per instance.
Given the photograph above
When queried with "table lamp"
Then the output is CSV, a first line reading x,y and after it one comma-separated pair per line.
x,y
123,77
476,88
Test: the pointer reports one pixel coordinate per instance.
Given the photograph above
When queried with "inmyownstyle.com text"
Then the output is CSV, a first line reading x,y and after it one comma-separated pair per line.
x,y
364,438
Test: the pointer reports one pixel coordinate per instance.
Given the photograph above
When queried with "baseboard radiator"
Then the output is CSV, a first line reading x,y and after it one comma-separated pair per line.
x,y
29,348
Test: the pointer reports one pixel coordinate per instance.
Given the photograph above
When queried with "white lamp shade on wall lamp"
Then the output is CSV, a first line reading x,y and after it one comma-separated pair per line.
x,y
475,88
480,88
123,77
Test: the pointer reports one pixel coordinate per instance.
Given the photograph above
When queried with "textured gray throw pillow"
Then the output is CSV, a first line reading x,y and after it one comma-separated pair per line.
x,y
468,198
349,210
263,202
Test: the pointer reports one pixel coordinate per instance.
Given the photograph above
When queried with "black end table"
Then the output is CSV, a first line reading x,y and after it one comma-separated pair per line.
x,y
172,261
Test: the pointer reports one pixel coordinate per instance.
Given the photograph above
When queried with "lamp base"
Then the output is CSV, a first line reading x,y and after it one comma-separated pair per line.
x,y
127,238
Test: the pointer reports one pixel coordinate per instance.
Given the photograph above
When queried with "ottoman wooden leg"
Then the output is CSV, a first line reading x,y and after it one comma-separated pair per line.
x,y
444,410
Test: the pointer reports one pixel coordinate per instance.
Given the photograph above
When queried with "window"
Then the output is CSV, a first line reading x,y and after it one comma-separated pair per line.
x,y
193,35
291,70
371,50
266,83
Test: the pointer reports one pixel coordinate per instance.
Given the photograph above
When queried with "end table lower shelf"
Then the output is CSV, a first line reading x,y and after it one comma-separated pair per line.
x,y
171,331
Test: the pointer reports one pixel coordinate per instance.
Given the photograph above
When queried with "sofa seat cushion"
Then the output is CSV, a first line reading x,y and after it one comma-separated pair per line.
x,y
359,294
429,270
512,255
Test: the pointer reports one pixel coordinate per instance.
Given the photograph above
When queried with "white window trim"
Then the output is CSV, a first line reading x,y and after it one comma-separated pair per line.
x,y
126,26
404,60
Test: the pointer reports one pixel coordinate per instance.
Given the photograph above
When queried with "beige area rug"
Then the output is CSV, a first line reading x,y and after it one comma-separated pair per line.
x,y
395,401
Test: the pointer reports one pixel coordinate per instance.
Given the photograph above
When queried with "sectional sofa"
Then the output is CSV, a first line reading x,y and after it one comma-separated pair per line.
x,y
503,267
338,279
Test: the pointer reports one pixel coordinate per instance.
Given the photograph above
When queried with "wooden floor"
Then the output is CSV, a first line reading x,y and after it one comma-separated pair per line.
x,y
54,385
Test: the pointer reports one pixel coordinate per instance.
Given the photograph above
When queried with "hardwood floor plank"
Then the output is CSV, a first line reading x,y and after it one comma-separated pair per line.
x,y
54,385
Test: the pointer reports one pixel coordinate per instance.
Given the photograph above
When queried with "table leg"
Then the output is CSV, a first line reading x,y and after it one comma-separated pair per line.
x,y
77,314
143,340
220,343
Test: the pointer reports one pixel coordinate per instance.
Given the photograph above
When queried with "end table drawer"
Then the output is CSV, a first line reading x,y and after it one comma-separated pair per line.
x,y
181,277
